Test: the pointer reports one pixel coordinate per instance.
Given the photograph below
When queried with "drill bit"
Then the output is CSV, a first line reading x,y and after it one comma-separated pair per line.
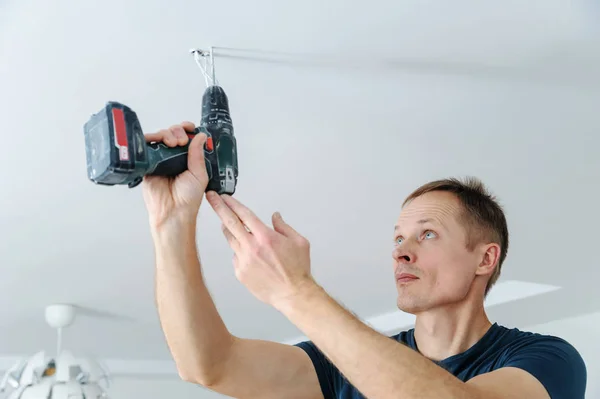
x,y
203,58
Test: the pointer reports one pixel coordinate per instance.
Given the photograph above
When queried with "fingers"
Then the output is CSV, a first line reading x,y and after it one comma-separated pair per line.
x,y
247,217
196,163
162,136
174,136
229,219
188,126
233,242
282,227
179,134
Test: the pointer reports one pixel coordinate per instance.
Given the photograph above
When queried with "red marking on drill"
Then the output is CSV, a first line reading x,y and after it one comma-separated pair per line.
x,y
209,141
120,133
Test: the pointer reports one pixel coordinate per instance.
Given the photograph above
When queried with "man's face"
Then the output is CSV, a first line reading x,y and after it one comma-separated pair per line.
x,y
432,264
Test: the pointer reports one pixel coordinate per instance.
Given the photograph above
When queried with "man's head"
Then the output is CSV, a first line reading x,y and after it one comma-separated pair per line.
x,y
453,237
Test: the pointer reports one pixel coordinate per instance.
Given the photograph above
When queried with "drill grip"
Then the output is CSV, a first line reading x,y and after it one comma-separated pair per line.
x,y
167,161
220,159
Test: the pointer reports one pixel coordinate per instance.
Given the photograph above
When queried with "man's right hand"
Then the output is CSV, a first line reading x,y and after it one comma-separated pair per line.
x,y
167,198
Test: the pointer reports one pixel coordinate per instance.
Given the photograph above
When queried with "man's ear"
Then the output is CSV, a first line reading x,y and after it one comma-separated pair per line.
x,y
489,259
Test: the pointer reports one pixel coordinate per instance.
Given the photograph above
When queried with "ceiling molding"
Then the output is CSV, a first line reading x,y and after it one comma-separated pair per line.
x,y
386,323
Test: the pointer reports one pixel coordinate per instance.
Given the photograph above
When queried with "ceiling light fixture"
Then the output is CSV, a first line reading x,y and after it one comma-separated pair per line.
x,y
61,377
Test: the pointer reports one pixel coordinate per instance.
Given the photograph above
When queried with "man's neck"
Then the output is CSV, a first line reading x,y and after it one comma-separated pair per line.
x,y
444,332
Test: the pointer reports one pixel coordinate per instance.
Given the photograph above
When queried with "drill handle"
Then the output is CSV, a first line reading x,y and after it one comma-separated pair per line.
x,y
167,161
221,162
170,161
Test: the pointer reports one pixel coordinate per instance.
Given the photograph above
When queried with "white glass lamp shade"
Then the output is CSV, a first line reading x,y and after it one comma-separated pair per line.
x,y
67,377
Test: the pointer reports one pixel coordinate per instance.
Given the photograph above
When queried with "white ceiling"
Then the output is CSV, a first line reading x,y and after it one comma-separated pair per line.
x,y
501,90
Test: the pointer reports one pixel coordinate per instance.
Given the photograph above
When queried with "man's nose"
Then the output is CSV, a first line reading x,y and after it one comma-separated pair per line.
x,y
404,255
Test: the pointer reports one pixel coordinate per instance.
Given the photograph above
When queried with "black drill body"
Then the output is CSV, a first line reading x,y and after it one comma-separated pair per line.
x,y
117,152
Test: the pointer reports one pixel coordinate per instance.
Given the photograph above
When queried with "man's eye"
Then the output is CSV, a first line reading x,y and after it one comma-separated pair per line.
x,y
399,240
430,234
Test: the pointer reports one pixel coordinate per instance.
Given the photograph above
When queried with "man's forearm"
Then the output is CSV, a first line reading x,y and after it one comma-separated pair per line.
x,y
195,333
376,365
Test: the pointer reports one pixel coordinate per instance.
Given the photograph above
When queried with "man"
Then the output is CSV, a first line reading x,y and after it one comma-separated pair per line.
x,y
449,244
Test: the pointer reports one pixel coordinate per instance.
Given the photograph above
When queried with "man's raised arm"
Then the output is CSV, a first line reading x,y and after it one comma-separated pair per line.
x,y
203,349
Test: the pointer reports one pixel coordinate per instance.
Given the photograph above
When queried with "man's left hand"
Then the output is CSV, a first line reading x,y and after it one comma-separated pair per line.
x,y
273,263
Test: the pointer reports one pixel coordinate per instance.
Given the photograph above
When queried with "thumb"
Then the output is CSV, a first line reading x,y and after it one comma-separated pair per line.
x,y
282,227
196,163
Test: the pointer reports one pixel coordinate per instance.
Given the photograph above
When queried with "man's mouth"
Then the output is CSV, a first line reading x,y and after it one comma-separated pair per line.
x,y
406,277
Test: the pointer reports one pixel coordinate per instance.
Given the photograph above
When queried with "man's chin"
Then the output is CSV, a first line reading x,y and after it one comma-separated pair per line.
x,y
409,304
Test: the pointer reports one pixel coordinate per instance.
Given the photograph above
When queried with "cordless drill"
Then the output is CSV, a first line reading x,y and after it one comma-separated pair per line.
x,y
117,152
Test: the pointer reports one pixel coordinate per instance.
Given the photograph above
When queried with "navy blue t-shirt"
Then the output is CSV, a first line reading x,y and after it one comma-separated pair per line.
x,y
553,361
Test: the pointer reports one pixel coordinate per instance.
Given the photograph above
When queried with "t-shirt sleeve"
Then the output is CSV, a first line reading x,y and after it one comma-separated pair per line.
x,y
328,374
555,363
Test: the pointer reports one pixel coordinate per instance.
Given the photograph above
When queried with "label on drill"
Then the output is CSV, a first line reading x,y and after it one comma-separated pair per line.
x,y
120,130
